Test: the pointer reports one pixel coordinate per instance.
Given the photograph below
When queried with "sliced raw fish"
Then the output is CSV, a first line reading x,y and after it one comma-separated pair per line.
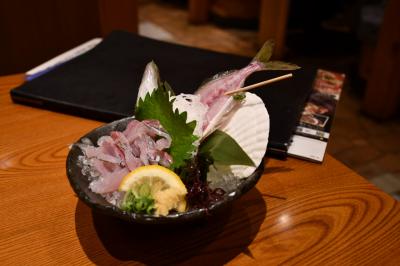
x,y
108,181
107,151
123,144
141,143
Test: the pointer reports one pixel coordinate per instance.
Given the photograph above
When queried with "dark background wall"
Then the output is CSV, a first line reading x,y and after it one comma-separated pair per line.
x,y
32,32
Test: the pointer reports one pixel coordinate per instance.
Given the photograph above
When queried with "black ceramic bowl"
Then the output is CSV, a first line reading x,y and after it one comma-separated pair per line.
x,y
80,184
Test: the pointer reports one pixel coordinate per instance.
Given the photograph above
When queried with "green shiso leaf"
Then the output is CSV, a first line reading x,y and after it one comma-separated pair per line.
x,y
223,149
158,106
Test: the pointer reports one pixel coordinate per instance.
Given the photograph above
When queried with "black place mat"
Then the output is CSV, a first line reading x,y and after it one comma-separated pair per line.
x,y
102,84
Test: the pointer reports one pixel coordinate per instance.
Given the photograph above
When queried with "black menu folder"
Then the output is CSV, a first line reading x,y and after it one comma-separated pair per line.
x,y
102,84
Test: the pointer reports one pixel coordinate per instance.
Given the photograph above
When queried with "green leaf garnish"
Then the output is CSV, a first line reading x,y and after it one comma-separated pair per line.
x,y
139,200
158,106
240,96
224,150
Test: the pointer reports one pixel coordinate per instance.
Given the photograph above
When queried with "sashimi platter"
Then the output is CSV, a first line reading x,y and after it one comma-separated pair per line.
x,y
180,157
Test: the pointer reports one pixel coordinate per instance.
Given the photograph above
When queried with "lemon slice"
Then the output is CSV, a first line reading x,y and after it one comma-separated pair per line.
x,y
166,187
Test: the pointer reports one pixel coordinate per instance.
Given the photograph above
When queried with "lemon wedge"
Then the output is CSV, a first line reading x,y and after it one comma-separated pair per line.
x,y
166,187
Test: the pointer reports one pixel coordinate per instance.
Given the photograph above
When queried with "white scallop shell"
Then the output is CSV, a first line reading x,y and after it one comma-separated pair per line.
x,y
248,125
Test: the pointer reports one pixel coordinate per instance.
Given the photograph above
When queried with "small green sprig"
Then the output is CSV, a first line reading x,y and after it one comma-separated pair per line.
x,y
139,200
240,96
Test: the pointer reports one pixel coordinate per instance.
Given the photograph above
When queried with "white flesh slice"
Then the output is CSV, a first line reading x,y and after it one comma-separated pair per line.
x,y
248,125
150,80
215,123
195,110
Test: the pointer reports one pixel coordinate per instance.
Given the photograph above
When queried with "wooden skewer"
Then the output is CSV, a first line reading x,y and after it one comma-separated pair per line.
x,y
256,85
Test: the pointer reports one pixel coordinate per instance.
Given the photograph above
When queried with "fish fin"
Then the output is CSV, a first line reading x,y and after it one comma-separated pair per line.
x,y
265,53
279,65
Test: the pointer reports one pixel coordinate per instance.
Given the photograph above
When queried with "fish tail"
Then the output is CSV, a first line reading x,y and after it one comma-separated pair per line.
x,y
264,55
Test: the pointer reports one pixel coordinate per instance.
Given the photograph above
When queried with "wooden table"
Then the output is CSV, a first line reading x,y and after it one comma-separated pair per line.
x,y
299,212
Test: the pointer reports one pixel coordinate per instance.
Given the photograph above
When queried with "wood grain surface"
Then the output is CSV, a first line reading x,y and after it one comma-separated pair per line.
x,y
299,213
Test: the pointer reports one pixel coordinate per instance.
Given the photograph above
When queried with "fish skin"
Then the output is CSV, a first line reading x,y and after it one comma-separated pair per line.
x,y
212,94
227,82
233,79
